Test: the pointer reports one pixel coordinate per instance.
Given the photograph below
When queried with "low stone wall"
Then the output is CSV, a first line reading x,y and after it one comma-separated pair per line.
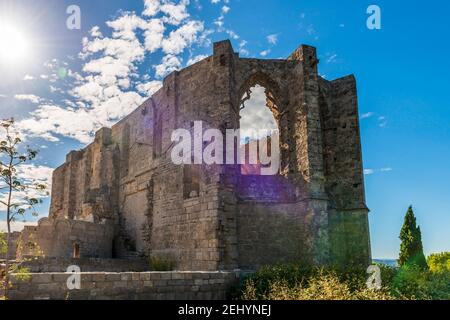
x,y
52,264
126,286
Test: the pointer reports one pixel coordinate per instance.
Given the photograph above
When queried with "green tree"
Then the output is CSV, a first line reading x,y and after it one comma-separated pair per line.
x,y
18,195
411,248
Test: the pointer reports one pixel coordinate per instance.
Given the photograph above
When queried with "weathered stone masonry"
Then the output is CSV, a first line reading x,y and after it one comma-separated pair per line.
x,y
212,217
126,286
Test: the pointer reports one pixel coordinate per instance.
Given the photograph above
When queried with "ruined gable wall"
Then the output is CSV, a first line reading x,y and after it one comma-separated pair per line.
x,y
183,224
82,187
343,160
185,221
58,192
348,214
273,227
195,214
132,138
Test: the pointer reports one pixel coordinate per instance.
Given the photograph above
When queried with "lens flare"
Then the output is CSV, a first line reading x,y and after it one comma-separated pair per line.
x,y
13,45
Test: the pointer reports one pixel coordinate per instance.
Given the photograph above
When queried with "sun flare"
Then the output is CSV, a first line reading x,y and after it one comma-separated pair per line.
x,y
13,44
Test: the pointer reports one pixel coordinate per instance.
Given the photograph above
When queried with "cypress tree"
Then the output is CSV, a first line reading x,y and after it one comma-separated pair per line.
x,y
411,248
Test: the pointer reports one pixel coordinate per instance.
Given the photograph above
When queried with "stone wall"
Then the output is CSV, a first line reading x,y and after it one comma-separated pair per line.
x,y
67,239
57,264
209,217
348,214
126,286
261,244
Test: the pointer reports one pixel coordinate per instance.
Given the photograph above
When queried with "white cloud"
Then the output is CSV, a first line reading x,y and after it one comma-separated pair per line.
x,y
109,85
225,9
331,57
125,26
232,34
382,121
154,35
95,32
242,49
244,52
272,39
256,115
175,13
264,53
219,22
183,37
30,173
367,115
15,226
27,77
151,7
149,88
48,121
40,174
28,97
196,59
310,30
168,64
373,171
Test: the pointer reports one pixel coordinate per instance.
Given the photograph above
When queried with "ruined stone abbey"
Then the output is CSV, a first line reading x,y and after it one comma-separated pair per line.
x,y
123,197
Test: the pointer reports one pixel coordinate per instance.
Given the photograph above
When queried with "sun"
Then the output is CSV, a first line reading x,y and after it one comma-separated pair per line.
x,y
13,44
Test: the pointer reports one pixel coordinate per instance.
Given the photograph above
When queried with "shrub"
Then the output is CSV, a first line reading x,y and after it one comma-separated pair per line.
x,y
439,262
293,282
161,263
3,245
414,283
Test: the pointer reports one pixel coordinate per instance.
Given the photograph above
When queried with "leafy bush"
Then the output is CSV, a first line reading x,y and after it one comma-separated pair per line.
x,y
439,262
412,282
3,244
291,282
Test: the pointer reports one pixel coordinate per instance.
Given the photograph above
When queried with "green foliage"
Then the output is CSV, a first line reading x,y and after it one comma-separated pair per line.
x,y
20,273
439,262
15,195
411,248
291,282
413,282
13,187
3,244
161,264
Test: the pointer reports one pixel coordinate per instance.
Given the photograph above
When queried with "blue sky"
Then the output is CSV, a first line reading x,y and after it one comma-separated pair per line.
x,y
402,72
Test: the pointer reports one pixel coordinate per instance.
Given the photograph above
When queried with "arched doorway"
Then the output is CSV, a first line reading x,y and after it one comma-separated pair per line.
x,y
259,131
